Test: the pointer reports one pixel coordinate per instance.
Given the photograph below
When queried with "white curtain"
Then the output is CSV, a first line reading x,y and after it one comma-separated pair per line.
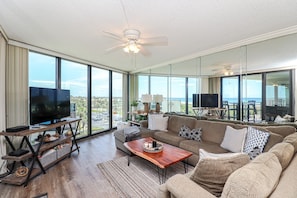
x,y
3,45
17,86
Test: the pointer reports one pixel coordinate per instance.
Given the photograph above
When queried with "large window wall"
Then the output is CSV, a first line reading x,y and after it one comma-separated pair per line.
x,y
96,94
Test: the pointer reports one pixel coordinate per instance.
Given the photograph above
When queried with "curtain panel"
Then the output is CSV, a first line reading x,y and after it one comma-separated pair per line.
x,y
17,86
3,47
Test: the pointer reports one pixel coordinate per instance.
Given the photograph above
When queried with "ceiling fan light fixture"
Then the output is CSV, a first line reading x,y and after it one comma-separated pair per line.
x,y
131,47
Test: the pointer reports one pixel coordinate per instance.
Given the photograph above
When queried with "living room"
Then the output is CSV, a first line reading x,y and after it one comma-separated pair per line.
x,y
259,47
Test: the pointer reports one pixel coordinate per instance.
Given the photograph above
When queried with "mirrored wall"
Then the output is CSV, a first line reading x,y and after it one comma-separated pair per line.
x,y
248,81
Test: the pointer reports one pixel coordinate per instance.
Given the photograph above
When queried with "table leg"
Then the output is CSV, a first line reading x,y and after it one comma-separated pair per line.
x,y
186,167
162,173
129,160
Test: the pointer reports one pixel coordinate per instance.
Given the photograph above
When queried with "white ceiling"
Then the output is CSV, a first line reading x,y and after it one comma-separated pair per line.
x,y
75,27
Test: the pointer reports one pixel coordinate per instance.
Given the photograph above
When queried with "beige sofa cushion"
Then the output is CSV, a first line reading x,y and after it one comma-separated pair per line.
x,y
176,122
256,179
212,131
211,174
181,186
284,152
287,185
168,137
272,140
292,139
281,130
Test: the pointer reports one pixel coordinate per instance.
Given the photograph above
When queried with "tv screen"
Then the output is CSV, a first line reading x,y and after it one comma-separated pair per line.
x,y
205,100
48,104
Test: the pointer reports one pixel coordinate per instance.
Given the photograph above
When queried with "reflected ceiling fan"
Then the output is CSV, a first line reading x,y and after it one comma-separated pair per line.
x,y
225,70
132,42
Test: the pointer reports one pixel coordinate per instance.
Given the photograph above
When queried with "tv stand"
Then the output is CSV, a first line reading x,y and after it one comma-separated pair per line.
x,y
35,150
211,111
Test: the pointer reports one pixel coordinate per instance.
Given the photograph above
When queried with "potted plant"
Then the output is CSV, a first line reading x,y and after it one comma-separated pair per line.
x,y
134,105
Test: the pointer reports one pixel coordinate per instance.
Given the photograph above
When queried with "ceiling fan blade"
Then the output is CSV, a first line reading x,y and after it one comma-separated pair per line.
x,y
114,48
144,51
113,36
160,41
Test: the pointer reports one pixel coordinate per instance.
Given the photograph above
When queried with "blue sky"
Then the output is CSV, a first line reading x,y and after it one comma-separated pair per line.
x,y
74,76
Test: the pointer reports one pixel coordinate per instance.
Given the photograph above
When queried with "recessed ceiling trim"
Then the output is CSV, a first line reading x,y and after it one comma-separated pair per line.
x,y
252,40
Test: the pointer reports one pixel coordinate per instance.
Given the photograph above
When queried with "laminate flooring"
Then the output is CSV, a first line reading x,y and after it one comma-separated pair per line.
x,y
73,177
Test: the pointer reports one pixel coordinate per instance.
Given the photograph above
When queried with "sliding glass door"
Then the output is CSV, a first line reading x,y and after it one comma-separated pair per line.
x,y
278,95
230,97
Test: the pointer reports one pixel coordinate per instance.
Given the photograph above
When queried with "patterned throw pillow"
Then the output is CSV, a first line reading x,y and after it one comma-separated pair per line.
x,y
184,131
255,139
254,153
194,134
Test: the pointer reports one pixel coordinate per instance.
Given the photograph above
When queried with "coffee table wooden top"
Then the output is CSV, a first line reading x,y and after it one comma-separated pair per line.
x,y
170,154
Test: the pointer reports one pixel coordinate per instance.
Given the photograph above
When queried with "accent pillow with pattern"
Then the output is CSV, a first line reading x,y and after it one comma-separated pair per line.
x,y
255,139
191,134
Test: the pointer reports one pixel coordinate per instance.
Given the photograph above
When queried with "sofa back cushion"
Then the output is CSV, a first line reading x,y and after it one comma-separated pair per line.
x,y
256,179
281,130
284,152
272,140
176,122
292,139
212,131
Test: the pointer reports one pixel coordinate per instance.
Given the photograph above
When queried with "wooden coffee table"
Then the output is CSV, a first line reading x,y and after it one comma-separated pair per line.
x,y
168,156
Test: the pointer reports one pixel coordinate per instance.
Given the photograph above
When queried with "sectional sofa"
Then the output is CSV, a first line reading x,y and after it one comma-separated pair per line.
x,y
213,133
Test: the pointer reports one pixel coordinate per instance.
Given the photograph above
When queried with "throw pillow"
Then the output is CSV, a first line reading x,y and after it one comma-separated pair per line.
x,y
234,139
211,174
151,120
158,122
254,153
192,134
184,132
204,154
255,138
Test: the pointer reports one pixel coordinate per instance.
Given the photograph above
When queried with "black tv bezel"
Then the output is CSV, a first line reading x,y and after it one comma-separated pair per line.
x,y
199,100
55,115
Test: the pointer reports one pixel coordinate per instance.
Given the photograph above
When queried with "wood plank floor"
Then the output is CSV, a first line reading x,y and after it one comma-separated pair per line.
x,y
77,176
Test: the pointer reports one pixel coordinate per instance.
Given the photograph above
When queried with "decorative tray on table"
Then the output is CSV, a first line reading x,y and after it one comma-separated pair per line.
x,y
151,147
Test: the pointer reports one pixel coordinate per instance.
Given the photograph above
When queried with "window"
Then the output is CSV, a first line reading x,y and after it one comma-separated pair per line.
x,y
42,70
100,100
143,86
193,88
74,77
230,93
117,98
178,95
252,97
278,98
159,85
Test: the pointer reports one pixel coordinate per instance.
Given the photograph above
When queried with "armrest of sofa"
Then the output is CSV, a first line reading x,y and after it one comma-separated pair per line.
x,y
143,123
180,186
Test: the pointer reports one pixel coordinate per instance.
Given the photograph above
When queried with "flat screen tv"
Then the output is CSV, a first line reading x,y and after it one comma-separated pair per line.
x,y
205,100
48,105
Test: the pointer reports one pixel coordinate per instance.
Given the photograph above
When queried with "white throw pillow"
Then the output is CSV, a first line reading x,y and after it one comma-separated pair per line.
x,y
234,139
157,122
203,154
151,120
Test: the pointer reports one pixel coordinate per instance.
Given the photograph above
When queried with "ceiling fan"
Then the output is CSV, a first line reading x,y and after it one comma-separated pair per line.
x,y
132,42
225,70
